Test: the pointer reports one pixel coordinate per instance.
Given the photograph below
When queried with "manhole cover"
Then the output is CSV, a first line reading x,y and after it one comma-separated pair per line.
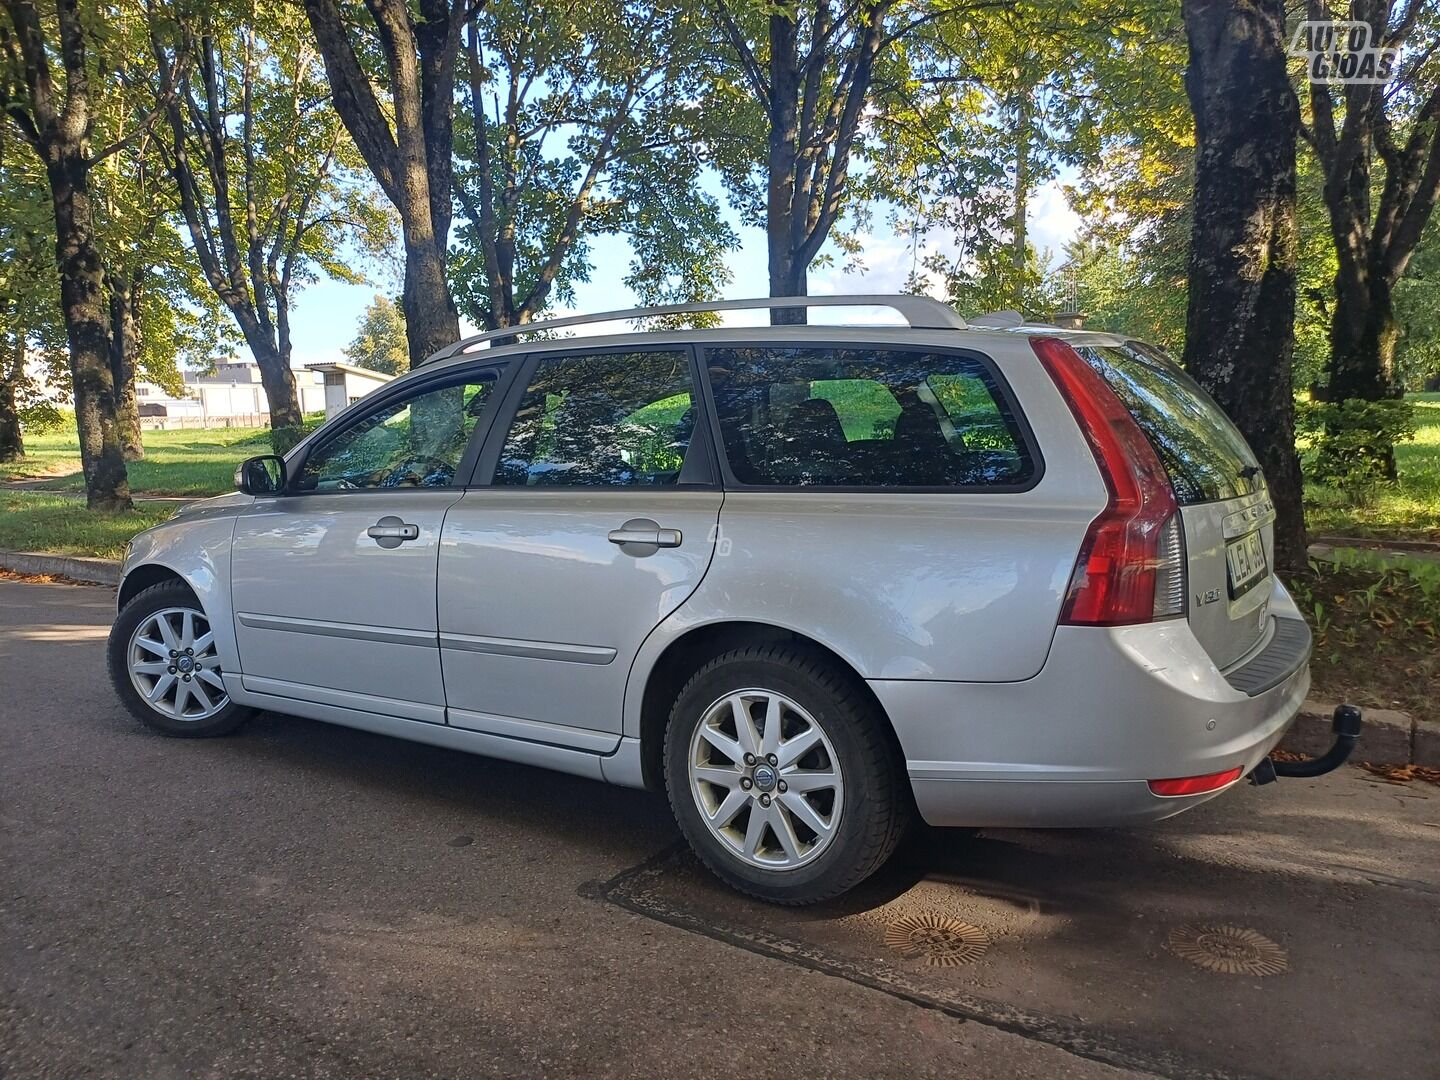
x,y
1232,950
937,940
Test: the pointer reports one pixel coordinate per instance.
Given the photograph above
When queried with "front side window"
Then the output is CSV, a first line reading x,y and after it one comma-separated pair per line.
x,y
408,442
864,417
614,419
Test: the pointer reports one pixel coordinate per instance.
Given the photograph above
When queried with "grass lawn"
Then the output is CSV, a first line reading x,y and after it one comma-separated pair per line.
x,y
36,521
176,462
1410,510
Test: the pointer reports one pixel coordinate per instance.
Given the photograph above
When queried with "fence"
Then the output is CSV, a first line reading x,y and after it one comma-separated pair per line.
x,y
203,423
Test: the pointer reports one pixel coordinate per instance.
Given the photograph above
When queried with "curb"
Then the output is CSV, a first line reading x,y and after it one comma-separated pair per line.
x,y
74,567
1388,737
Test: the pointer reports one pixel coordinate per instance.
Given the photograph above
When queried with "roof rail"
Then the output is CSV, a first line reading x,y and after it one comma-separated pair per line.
x,y
1000,320
921,312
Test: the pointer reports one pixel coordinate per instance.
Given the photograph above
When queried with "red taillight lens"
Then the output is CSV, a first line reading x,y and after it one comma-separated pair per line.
x,y
1115,575
1194,785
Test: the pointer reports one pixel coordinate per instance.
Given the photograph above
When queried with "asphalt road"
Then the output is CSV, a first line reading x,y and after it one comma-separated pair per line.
x,y
304,900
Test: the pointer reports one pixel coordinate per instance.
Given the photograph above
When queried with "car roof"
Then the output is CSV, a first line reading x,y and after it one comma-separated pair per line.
x,y
921,314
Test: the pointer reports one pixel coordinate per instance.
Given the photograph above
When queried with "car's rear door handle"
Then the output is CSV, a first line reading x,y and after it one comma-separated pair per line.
x,y
645,531
391,532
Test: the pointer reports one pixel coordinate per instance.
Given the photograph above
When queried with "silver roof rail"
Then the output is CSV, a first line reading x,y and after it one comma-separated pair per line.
x,y
999,320
921,312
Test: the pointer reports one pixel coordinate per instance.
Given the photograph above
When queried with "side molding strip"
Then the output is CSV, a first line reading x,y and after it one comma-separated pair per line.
x,y
392,635
532,650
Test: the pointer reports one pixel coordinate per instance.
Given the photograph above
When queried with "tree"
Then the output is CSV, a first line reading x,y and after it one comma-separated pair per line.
x,y
1397,127
28,300
380,342
810,70
407,140
53,112
614,83
1239,333
259,162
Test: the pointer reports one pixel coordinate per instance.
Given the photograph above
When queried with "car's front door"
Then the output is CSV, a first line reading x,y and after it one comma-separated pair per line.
x,y
598,522
333,581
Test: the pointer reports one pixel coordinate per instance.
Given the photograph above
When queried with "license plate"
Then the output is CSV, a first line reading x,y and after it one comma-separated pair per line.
x,y
1246,560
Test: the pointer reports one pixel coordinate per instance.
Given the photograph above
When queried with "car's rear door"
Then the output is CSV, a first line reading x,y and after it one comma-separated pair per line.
x,y
333,582
1224,504
593,518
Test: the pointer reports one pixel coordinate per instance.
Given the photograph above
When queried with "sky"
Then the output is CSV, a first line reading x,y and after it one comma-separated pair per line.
x,y
326,313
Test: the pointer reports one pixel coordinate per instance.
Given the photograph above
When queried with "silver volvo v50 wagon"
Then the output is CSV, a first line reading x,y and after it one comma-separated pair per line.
x,y
810,580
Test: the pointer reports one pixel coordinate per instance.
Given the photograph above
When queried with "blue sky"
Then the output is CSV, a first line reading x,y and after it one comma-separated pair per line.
x,y
326,313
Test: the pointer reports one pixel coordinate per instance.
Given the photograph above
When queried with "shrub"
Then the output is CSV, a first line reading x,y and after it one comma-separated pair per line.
x,y
1352,442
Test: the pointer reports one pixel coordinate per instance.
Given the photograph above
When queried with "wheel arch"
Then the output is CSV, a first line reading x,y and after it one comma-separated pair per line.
x,y
143,577
694,648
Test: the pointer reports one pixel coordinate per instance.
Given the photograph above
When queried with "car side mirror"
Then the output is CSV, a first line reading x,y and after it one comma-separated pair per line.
x,y
263,475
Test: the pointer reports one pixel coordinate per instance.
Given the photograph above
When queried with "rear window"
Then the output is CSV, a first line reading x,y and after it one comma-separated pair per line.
x,y
1205,455
864,418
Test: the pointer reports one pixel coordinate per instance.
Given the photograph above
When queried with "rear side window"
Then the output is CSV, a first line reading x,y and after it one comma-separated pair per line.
x,y
889,418
1205,455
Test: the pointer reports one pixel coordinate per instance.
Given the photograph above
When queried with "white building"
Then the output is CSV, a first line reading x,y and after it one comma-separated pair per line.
x,y
234,397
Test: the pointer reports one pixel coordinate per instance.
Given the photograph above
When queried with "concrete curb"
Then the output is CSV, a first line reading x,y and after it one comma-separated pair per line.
x,y
1388,738
92,571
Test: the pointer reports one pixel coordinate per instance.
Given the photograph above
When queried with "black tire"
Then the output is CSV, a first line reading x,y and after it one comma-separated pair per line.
x,y
876,805
167,594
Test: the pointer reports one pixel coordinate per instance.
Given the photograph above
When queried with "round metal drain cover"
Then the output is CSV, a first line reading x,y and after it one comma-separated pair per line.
x,y
1231,950
937,940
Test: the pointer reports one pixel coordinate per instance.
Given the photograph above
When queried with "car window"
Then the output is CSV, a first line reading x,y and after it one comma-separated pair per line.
x,y
864,418
1206,458
614,419
414,441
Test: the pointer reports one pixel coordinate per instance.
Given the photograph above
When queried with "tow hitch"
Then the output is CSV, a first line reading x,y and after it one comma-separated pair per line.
x,y
1345,723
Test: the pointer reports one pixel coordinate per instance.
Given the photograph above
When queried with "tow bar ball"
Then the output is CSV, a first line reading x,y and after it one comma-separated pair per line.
x,y
1345,724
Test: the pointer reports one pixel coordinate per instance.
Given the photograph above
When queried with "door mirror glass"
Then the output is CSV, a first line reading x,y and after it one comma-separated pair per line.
x,y
263,475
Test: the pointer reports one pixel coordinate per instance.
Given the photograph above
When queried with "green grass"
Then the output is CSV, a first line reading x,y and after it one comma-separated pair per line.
x,y
1410,510
36,521
176,462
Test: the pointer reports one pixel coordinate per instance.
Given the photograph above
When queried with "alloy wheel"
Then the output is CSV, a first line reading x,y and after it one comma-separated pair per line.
x,y
766,779
172,663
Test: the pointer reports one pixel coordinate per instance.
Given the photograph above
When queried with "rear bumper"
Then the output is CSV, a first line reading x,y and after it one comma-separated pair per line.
x,y
1075,745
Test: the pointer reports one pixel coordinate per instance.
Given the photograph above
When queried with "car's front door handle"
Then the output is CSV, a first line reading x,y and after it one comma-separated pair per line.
x,y
643,531
391,532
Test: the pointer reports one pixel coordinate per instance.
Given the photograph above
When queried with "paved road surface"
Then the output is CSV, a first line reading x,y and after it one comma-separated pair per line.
x,y
303,900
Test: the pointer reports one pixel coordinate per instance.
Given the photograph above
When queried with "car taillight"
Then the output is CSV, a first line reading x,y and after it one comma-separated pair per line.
x,y
1131,567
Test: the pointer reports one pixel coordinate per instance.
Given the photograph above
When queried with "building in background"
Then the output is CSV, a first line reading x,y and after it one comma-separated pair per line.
x,y
233,395
346,384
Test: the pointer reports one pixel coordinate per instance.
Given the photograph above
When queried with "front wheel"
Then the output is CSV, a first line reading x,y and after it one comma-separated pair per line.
x,y
164,666
781,776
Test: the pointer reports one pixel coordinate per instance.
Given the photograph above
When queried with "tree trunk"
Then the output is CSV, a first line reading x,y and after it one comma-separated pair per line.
x,y
12,440
1239,330
124,359
82,302
431,321
1020,240
1363,336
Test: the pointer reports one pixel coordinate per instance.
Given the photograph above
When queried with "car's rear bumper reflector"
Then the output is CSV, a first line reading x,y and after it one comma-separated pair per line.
x,y
1194,785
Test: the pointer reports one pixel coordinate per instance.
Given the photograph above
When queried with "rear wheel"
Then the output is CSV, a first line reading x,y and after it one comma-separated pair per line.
x,y
780,775
164,666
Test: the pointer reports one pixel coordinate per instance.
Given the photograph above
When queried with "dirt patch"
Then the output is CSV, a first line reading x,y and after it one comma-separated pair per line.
x,y
1377,635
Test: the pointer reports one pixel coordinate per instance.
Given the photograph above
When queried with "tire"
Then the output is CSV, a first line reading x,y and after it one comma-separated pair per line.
x,y
849,776
202,712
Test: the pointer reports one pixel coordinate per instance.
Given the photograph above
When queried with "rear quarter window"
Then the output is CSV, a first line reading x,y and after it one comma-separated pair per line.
x,y
866,418
1204,454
